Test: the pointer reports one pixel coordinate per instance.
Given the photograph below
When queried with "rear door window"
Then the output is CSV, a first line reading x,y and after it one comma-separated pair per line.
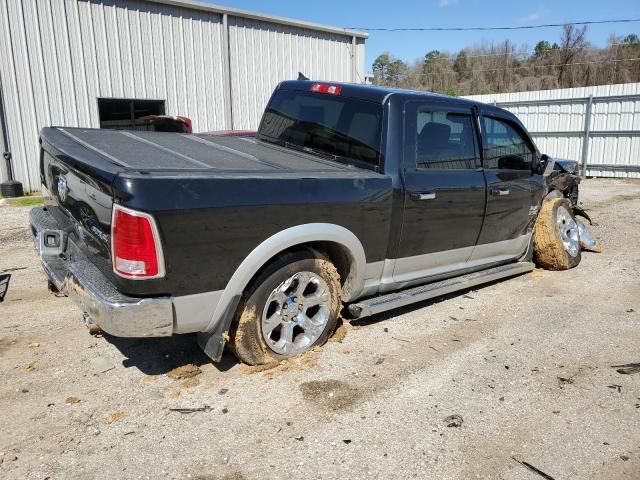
x,y
332,125
445,140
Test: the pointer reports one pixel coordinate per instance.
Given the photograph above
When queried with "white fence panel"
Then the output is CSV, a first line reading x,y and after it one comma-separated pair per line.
x,y
598,126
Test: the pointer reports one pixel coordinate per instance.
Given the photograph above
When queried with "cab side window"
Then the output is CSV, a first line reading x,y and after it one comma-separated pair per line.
x,y
445,140
505,147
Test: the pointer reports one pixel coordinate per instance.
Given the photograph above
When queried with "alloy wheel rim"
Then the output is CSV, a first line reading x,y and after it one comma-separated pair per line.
x,y
568,229
296,313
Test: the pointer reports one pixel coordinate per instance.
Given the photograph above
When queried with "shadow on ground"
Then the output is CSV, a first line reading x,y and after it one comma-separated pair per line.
x,y
157,356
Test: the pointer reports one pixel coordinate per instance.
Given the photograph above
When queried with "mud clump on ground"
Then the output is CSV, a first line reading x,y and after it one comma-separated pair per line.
x,y
339,333
186,371
330,394
304,361
190,382
115,416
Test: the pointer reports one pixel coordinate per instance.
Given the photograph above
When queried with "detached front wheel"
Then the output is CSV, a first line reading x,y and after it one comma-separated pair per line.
x,y
292,306
556,240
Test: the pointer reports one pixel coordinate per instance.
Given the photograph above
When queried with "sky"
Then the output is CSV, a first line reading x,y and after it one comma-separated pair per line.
x,y
410,46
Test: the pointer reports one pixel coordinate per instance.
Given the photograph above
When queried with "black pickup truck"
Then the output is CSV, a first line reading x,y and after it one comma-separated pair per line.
x,y
350,198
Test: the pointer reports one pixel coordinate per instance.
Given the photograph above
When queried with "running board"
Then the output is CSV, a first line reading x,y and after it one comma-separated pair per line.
x,y
425,292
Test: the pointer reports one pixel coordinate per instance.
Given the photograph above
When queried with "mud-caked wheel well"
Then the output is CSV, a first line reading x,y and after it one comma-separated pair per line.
x,y
336,253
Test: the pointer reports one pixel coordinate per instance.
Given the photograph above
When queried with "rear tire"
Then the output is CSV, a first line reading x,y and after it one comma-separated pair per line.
x,y
291,307
556,243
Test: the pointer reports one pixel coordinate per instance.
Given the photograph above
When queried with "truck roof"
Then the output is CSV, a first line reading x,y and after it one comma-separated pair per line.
x,y
375,93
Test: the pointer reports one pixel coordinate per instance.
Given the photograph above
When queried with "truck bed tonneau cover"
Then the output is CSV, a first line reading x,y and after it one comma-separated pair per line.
x,y
161,151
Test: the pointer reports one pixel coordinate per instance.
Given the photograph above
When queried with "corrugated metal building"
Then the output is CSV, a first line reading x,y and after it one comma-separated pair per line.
x,y
599,126
63,60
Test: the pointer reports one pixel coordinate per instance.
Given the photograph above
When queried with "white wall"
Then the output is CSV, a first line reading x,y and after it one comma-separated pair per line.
x,y
556,119
58,56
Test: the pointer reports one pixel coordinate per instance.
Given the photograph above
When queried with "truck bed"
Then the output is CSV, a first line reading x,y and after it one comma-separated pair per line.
x,y
143,151
214,198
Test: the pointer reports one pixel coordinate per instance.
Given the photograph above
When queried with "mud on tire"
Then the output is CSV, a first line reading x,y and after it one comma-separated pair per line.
x,y
246,338
553,245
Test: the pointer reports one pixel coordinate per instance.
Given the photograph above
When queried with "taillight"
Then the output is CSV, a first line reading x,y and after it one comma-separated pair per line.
x,y
135,245
326,88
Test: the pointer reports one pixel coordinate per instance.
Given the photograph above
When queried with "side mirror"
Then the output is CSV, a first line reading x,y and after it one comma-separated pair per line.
x,y
545,165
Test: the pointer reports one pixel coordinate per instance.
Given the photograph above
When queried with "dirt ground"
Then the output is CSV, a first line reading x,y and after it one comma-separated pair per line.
x,y
527,363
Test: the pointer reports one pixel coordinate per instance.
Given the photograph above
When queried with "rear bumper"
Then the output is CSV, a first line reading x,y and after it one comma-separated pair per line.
x,y
72,273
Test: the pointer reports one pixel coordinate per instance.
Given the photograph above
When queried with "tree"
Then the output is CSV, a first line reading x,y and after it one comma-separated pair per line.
x,y
497,67
388,70
572,42
461,66
541,49
631,39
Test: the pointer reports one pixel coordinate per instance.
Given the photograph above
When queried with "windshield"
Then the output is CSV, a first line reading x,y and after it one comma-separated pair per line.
x,y
327,125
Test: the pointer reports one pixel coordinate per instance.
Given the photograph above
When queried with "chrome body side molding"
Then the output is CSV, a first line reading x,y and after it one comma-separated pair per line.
x,y
436,289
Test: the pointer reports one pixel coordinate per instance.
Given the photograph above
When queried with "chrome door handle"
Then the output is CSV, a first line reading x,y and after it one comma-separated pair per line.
x,y
423,196
500,191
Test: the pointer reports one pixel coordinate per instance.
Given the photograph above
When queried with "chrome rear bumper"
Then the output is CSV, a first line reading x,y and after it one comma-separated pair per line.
x,y
72,273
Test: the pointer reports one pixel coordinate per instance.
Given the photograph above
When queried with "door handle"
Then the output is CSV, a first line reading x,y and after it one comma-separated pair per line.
x,y
423,196
499,192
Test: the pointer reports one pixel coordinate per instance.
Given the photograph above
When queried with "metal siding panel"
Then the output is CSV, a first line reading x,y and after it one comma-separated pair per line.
x,y
264,54
77,48
67,53
18,94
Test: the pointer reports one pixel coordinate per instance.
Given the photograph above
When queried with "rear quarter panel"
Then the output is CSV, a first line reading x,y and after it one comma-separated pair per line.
x,y
209,225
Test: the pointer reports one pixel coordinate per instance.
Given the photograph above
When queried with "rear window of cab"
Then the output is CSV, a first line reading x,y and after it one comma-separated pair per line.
x,y
342,128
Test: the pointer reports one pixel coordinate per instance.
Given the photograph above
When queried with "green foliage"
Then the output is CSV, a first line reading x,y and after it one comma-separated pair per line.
x,y
26,201
388,70
452,91
541,48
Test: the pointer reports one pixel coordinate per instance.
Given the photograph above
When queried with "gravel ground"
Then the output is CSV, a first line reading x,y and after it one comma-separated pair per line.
x,y
526,363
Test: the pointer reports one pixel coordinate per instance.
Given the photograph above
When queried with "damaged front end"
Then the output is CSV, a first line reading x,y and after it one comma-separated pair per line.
x,y
562,178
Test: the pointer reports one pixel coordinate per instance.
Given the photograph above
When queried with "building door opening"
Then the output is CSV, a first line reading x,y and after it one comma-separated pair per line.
x,y
127,113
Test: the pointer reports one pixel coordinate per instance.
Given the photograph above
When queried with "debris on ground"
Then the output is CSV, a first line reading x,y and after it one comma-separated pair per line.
x,y
205,409
615,387
10,458
401,339
534,469
34,344
115,416
185,371
30,367
628,369
72,400
453,421
587,242
566,380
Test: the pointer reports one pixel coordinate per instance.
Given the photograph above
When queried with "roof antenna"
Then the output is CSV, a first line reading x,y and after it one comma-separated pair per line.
x,y
302,76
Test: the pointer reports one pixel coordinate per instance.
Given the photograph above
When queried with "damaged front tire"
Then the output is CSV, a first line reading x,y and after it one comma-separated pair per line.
x,y
556,238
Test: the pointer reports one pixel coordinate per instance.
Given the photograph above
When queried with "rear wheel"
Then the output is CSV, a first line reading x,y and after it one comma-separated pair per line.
x,y
292,306
556,241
